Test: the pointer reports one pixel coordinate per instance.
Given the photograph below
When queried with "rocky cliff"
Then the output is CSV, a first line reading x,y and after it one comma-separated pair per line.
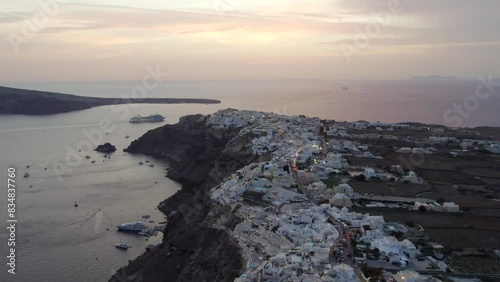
x,y
196,245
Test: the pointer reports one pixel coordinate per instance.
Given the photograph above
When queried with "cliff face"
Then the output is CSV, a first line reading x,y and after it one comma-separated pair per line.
x,y
196,244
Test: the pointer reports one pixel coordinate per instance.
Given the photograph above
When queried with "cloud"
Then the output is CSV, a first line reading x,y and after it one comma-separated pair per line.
x,y
285,33
12,17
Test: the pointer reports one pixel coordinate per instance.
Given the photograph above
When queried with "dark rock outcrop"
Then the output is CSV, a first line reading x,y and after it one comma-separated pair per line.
x,y
106,148
196,244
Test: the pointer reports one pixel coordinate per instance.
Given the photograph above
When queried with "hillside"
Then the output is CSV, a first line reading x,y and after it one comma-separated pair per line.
x,y
30,102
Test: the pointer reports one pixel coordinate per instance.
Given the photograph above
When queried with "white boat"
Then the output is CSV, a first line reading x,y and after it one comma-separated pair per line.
x,y
132,226
151,118
122,246
145,232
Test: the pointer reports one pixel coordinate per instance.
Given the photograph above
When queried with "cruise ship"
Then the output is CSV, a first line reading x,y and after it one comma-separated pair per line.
x,y
132,226
151,118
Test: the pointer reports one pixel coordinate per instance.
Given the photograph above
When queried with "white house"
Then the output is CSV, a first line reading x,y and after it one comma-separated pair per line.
x,y
387,245
320,257
344,189
334,161
418,151
341,200
363,147
494,148
343,273
282,179
317,186
369,173
372,235
279,259
408,248
405,150
413,178
374,221
272,273
261,183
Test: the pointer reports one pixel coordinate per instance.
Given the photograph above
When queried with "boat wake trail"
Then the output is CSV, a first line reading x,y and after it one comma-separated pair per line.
x,y
46,127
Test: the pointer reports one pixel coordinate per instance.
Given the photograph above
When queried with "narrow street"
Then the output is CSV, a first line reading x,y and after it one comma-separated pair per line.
x,y
349,260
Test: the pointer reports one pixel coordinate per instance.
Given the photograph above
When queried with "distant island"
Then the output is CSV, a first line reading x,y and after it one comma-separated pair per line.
x,y
30,102
433,77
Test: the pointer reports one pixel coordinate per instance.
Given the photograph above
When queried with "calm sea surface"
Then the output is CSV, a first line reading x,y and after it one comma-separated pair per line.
x,y
389,101
58,242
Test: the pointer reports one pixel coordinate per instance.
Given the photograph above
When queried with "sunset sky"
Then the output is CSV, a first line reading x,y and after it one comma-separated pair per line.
x,y
86,40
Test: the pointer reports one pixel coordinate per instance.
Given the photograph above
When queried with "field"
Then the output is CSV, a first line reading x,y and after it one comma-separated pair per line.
x,y
471,180
389,189
450,229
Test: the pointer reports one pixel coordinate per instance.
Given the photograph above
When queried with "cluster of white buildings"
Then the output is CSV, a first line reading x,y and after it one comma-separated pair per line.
x,y
307,225
488,145
268,179
374,230
389,247
415,150
294,243
434,206
282,245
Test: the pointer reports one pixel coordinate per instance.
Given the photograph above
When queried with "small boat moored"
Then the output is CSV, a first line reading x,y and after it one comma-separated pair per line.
x,y
122,246
132,226
26,175
145,232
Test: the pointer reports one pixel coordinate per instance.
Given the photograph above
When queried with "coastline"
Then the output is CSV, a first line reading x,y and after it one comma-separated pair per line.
x,y
30,102
203,151
199,158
